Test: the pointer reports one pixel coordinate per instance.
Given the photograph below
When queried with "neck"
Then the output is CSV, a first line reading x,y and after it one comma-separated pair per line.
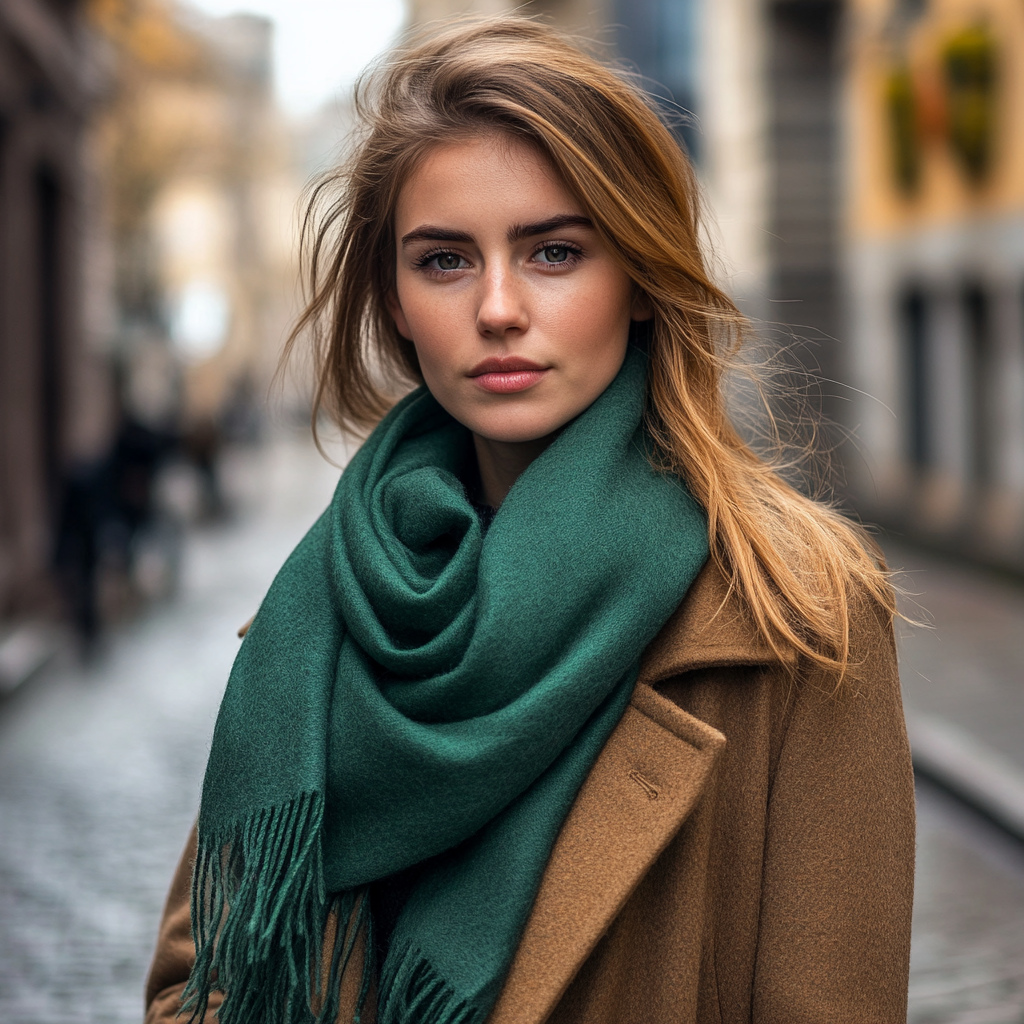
x,y
501,463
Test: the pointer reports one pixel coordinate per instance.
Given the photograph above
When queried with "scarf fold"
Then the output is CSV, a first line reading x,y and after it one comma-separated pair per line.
x,y
414,691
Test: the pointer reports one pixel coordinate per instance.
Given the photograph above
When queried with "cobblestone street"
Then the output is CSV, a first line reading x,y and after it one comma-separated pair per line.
x,y
966,674
100,771
967,962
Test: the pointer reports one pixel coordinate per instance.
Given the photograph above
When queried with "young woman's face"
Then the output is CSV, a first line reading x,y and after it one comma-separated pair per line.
x,y
518,313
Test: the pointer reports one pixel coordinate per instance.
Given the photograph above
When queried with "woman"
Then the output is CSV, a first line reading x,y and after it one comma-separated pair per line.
x,y
568,708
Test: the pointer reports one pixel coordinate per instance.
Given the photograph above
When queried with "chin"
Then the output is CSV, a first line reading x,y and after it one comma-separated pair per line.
x,y
512,430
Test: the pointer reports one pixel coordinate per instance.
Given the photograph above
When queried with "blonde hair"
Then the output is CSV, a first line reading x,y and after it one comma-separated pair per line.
x,y
796,563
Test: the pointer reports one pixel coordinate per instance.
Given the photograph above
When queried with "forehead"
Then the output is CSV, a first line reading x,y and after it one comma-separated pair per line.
x,y
493,179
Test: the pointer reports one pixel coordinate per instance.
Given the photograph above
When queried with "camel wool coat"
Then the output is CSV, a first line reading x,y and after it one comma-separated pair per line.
x,y
742,851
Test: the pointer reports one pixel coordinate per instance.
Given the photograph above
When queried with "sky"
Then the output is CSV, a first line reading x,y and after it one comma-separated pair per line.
x,y
319,45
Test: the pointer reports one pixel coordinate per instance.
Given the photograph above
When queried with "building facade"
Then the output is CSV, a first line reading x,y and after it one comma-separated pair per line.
x,y
54,385
200,192
146,280
935,268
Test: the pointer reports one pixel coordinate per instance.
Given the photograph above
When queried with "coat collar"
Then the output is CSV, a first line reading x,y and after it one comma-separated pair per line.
x,y
648,778
710,629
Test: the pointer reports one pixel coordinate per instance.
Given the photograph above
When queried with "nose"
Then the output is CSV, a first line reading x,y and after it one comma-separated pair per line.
x,y
502,309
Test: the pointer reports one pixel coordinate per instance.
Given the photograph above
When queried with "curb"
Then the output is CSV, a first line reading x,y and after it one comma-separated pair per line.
x,y
955,760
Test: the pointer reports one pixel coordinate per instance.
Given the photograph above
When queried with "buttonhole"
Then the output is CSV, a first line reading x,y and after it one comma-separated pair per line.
x,y
645,784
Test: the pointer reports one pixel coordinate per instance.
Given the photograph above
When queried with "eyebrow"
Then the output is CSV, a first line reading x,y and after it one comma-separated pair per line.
x,y
430,233
543,227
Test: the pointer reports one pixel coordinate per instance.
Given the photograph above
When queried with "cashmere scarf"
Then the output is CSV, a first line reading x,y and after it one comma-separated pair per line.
x,y
416,692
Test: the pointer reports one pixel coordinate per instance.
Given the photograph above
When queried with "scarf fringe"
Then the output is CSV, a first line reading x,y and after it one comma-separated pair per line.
x,y
412,991
259,916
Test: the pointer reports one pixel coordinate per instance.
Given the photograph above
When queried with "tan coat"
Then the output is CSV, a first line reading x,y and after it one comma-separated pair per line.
x,y
741,853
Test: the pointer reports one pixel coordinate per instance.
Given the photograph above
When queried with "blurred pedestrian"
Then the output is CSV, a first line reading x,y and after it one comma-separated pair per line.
x,y
140,452
569,707
201,444
84,508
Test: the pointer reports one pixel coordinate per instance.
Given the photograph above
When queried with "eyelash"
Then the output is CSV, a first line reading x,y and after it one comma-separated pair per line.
x,y
574,251
432,254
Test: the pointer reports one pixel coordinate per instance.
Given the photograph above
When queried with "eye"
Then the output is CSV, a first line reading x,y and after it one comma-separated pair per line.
x,y
558,254
555,254
443,261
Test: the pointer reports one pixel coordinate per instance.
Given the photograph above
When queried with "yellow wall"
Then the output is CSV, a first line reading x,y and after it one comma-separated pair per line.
x,y
877,206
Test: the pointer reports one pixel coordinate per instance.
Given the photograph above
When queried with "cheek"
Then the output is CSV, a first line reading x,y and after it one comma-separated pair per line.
x,y
436,362
596,324
428,321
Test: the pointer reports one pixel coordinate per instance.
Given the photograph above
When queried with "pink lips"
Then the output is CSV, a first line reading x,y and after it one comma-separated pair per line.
x,y
504,375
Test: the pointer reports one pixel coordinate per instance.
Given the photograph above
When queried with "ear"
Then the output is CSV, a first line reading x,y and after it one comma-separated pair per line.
x,y
397,314
641,308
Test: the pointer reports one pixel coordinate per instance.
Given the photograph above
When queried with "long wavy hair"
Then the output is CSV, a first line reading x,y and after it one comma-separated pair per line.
x,y
796,563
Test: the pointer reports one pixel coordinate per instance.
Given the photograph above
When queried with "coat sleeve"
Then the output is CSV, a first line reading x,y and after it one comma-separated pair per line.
x,y
175,952
834,933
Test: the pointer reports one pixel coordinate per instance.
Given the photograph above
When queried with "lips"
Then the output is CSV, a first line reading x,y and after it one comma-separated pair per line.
x,y
505,375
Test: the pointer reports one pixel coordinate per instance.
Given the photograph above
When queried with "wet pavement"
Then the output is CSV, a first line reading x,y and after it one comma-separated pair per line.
x,y
100,771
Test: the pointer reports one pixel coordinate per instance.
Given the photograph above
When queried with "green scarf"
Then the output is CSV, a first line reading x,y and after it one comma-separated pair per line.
x,y
414,691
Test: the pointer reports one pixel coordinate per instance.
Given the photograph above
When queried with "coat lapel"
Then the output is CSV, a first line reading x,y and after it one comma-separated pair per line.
x,y
648,778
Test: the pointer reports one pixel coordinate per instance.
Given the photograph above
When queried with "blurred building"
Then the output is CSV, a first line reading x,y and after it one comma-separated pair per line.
x,y
590,17
864,163
935,263
755,87
147,279
54,394
200,194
